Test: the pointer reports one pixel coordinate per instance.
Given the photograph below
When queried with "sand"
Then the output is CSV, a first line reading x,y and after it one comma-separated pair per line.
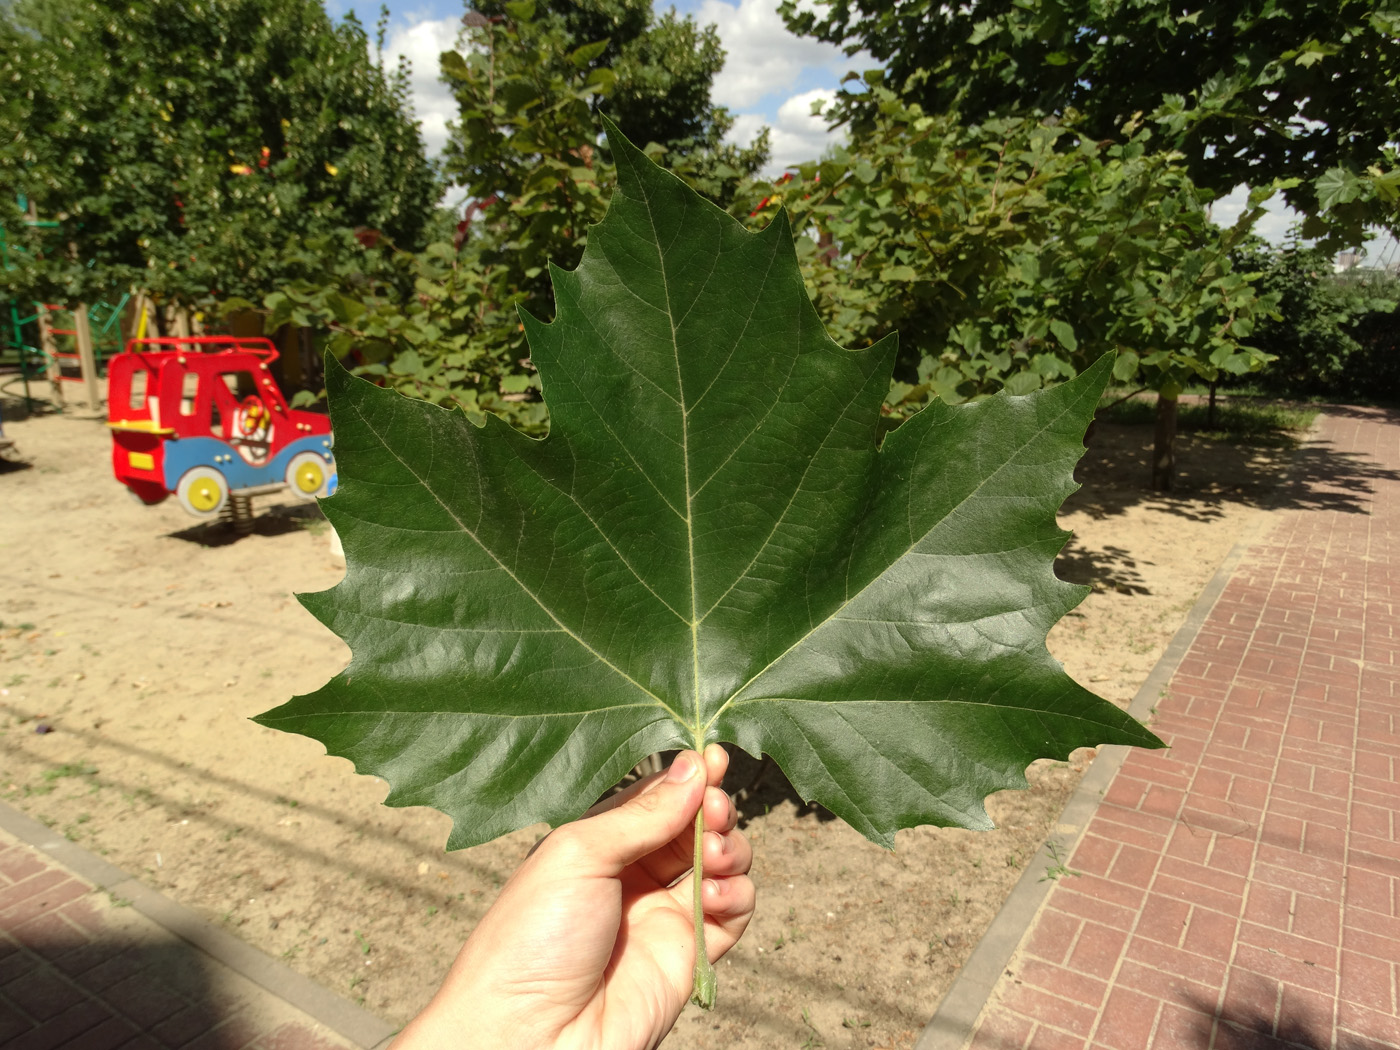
x,y
145,640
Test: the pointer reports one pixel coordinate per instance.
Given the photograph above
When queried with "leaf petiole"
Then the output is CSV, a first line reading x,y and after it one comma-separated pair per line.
x,y
703,991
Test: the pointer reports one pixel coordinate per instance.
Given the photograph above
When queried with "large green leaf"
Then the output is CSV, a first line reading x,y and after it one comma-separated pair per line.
x,y
708,546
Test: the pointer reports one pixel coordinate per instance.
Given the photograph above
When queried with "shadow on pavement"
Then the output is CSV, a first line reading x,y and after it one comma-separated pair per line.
x,y
1252,1028
61,989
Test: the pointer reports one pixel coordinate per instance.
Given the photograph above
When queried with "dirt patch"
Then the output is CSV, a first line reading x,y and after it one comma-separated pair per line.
x,y
144,643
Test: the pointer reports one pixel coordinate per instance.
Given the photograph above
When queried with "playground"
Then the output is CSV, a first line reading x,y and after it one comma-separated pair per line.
x,y
136,641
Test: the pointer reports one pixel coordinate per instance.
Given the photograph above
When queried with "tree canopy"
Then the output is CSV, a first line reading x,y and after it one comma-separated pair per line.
x,y
1252,91
662,68
526,144
1014,253
442,324
181,144
532,79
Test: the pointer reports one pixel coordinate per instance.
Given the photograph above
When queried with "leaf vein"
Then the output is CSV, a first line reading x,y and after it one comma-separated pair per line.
x,y
389,447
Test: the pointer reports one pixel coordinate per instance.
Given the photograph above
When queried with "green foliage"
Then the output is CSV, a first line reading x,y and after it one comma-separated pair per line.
x,y
659,70
1319,316
180,145
1251,91
529,85
1012,253
442,324
708,546
434,324
1378,371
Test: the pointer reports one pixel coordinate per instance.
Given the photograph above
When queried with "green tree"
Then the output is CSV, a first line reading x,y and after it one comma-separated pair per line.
x,y
1295,90
662,67
1319,336
526,147
181,145
1011,254
442,324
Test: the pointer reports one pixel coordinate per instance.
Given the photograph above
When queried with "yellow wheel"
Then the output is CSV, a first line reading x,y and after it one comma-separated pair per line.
x,y
308,475
202,491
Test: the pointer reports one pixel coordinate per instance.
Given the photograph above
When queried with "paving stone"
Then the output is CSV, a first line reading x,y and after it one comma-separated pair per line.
x,y
43,993
78,974
145,999
1245,890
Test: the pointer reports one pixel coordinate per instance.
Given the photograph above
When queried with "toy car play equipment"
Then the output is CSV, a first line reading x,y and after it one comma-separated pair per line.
x,y
202,417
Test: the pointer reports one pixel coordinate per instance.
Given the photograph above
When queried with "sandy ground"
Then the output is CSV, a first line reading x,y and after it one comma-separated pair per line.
x,y
145,641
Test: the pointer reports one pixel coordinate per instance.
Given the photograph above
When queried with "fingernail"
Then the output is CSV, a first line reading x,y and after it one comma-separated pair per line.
x,y
683,768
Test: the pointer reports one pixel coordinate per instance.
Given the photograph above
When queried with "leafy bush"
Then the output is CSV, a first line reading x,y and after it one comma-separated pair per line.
x,y
1012,253
1333,334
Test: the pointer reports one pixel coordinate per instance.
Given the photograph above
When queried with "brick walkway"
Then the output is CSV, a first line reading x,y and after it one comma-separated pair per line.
x,y
1242,889
86,969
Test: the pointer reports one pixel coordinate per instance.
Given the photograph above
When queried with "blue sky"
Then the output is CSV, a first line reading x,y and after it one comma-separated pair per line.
x,y
771,77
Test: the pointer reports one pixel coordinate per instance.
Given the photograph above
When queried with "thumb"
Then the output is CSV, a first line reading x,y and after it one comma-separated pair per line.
x,y
607,842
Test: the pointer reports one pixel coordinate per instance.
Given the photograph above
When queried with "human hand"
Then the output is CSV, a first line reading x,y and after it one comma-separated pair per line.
x,y
591,943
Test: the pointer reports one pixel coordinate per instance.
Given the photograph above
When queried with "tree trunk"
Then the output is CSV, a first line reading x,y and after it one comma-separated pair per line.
x,y
311,366
1210,410
1164,448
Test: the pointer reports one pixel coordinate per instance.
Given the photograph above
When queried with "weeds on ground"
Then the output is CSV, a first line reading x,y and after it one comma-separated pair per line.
x,y
1057,869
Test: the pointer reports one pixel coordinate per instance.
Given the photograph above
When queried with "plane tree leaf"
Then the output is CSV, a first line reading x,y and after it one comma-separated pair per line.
x,y
710,545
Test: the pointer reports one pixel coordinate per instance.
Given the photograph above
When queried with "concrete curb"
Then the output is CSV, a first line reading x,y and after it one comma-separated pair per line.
x,y
340,1015
953,1023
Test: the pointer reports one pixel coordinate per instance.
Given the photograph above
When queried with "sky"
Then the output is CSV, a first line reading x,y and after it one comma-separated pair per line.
x,y
770,77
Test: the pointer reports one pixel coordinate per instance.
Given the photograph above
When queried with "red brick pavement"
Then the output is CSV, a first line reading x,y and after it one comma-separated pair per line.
x,y
80,971
1242,889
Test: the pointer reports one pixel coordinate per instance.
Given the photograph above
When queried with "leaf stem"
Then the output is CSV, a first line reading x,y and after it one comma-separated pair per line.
x,y
703,991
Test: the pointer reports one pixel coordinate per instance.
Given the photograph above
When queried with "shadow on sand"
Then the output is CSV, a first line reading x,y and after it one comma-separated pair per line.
x,y
274,521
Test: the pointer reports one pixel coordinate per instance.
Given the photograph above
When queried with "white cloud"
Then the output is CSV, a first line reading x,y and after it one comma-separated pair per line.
x,y
796,135
763,58
421,41
1273,225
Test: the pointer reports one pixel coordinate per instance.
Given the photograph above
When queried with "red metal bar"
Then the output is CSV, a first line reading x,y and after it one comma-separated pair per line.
x,y
256,345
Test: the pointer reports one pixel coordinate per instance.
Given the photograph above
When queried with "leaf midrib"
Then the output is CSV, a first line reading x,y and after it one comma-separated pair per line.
x,y
457,712
696,729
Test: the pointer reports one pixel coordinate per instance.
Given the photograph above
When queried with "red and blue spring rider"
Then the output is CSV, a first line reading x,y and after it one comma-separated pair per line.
x,y
201,417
